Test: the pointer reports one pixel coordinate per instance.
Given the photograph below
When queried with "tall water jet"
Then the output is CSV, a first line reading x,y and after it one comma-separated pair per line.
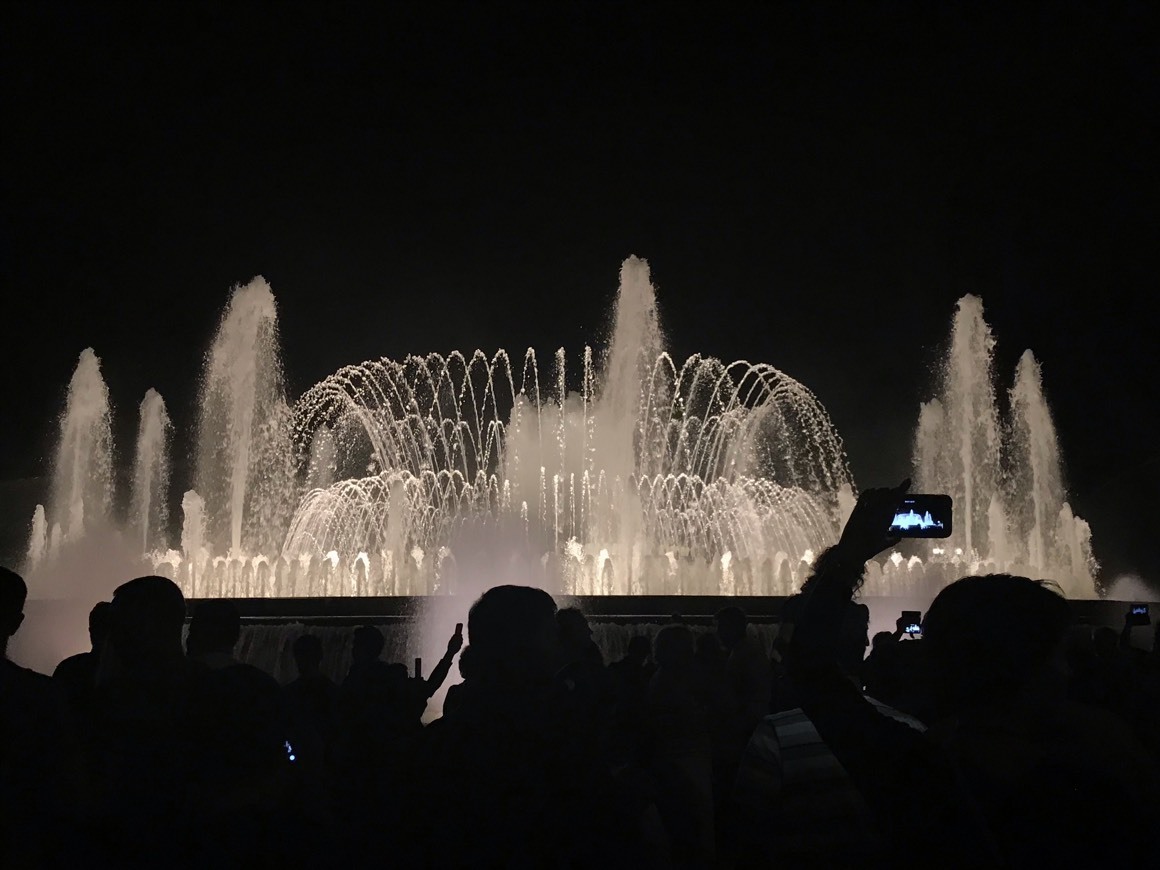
x,y
1011,512
37,540
957,447
632,352
193,540
1056,542
82,475
243,445
1035,492
148,503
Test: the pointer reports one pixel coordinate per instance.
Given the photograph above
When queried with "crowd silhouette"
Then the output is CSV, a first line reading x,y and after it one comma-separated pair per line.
x,y
1007,736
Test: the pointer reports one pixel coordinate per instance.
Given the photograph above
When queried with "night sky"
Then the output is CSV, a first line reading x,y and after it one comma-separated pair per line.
x,y
814,186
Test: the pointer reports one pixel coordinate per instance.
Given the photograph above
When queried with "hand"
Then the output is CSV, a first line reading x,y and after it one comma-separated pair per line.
x,y
866,532
456,643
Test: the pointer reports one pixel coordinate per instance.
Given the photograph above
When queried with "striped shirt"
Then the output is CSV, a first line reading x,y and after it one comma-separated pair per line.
x,y
795,799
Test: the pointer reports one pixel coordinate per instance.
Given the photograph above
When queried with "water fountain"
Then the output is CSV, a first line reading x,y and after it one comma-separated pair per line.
x,y
1005,476
82,483
148,505
652,476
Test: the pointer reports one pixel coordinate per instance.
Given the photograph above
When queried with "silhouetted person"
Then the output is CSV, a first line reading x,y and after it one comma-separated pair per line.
x,y
40,781
681,753
583,685
310,701
797,806
146,741
748,686
77,675
500,778
241,729
576,644
747,671
990,646
633,672
629,679
367,696
1061,783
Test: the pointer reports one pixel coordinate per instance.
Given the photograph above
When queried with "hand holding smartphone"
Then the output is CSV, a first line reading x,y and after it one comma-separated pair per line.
x,y
1138,615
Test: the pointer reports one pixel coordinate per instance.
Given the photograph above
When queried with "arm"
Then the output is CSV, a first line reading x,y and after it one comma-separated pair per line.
x,y
440,671
884,758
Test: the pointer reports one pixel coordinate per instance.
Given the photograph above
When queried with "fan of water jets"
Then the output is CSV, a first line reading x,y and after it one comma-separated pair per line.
x,y
647,461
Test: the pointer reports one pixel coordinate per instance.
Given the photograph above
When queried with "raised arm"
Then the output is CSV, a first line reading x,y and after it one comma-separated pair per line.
x,y
884,757
443,668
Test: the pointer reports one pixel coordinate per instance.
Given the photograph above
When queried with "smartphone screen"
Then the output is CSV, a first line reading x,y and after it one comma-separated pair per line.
x,y
922,516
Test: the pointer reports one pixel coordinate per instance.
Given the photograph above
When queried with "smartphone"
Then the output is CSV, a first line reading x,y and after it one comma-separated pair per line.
x,y
911,622
1138,615
459,628
418,669
922,516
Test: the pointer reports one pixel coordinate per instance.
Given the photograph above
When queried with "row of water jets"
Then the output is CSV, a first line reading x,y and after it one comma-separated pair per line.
x,y
441,474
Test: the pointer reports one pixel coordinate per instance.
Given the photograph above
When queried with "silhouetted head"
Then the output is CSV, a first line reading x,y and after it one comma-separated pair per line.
x,y
574,628
639,649
367,645
396,673
513,635
989,639
307,654
100,623
731,622
674,648
214,627
882,639
13,594
148,615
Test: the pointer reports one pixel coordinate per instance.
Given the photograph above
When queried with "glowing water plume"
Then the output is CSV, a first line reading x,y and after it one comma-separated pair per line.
x,y
243,448
1057,542
38,539
193,544
1011,512
82,473
148,503
957,447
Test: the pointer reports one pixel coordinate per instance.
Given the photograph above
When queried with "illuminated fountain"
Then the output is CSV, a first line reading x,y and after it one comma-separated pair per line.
x,y
624,473
1005,475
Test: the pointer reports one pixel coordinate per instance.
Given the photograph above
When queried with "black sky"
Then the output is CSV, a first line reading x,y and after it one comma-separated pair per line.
x,y
814,186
